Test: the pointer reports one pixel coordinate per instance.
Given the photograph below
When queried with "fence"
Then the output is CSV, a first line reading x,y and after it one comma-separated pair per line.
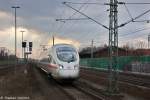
x,y
123,62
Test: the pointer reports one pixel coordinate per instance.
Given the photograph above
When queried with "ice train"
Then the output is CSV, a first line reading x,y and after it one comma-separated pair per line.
x,y
62,62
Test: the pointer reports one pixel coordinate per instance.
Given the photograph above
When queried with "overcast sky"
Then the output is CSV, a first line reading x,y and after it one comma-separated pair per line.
x,y
38,19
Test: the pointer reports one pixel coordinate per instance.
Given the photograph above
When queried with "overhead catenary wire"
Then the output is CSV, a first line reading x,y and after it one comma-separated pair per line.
x,y
136,37
58,28
69,18
123,35
89,32
73,19
132,20
138,3
75,22
131,33
94,3
85,15
78,9
147,21
128,11
98,3
74,14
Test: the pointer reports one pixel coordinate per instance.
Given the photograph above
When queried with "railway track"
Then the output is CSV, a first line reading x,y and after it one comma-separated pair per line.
x,y
8,68
135,81
74,91
129,84
78,91
131,78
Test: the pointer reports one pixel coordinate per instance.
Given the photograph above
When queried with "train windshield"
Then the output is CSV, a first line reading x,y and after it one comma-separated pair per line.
x,y
66,54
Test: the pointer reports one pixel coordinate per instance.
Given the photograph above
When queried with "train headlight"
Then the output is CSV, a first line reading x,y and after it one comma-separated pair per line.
x,y
76,66
61,66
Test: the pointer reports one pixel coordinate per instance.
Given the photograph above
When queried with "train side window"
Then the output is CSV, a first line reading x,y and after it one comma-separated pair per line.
x,y
54,62
50,58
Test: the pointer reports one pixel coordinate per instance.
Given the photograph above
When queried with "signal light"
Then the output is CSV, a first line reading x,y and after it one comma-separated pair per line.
x,y
23,44
30,48
30,44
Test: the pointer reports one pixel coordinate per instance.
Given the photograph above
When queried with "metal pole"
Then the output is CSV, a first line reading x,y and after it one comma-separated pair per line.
x,y
15,7
15,35
24,54
148,40
53,40
113,48
22,41
92,49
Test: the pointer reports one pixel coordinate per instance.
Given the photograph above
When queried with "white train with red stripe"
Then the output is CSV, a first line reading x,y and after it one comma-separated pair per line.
x,y
62,62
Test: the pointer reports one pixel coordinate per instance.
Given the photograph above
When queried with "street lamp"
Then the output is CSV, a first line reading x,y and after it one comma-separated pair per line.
x,y
22,41
15,7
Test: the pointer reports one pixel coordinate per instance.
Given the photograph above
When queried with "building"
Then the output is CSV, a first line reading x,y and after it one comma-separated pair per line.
x,y
104,52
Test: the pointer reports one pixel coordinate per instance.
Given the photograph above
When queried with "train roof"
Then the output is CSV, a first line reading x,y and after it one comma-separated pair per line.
x,y
58,45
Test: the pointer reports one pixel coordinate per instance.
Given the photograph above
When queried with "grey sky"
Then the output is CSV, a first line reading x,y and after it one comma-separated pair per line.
x,y
38,17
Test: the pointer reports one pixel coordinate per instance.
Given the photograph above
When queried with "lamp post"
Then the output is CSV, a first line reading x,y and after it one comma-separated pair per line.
x,y
22,41
15,7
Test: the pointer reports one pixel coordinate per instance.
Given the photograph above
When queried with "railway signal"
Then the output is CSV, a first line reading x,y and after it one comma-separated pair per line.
x,y
27,49
30,46
23,44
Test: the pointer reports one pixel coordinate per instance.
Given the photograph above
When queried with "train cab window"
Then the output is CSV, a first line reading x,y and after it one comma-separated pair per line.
x,y
66,54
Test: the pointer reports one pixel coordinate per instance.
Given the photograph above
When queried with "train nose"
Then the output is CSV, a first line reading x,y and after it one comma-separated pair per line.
x,y
68,73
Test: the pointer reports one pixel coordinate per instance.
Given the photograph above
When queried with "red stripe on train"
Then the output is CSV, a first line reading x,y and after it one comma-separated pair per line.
x,y
52,65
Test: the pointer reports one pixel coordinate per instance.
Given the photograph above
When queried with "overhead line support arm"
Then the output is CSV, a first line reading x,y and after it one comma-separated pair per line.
x,y
132,20
65,3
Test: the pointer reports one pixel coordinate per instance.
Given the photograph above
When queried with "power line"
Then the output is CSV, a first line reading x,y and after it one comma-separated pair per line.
x,y
132,20
147,21
87,34
73,19
59,27
139,35
93,3
65,3
77,19
69,18
98,3
79,9
128,11
142,3
135,32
